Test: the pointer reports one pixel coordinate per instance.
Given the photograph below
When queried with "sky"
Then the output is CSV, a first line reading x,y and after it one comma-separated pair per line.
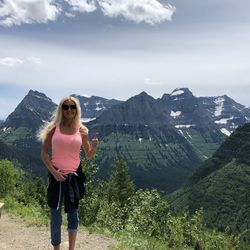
x,y
119,48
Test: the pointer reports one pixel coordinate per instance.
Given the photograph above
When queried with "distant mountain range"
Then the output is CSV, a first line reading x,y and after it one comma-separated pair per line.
x,y
163,140
94,106
221,186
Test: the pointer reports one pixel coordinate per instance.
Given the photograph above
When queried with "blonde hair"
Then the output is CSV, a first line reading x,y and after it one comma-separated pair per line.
x,y
57,119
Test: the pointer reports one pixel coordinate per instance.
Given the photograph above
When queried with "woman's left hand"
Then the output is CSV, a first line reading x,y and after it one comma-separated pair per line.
x,y
95,141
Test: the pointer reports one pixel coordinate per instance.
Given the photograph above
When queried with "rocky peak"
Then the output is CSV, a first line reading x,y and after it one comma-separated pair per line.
x,y
36,94
182,93
94,106
139,109
141,98
165,97
32,111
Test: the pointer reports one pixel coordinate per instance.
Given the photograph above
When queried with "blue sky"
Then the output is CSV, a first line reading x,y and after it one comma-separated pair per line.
x,y
118,48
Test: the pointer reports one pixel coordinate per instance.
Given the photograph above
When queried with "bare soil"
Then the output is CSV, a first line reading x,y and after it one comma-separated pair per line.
x,y
16,234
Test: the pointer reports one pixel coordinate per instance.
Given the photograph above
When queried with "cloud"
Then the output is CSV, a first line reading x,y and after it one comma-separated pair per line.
x,y
149,81
17,12
148,11
34,60
69,14
14,61
11,61
82,5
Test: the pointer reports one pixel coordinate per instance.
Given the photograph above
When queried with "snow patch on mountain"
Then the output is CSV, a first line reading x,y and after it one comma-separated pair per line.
x,y
223,120
175,114
99,106
219,106
87,96
225,131
180,132
85,120
189,135
185,126
177,92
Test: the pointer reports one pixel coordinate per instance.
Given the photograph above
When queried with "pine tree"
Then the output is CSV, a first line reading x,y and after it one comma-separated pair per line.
x,y
119,186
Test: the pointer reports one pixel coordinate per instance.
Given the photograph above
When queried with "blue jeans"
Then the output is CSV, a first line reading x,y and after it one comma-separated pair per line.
x,y
56,222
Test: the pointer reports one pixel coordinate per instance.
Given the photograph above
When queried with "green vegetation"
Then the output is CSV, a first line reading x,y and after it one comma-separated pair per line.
x,y
237,147
224,195
139,219
23,196
30,163
9,177
221,186
158,157
203,140
10,137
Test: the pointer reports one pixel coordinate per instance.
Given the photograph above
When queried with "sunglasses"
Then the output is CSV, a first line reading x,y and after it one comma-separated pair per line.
x,y
66,107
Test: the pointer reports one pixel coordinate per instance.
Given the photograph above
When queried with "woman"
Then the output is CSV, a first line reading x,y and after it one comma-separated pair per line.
x,y
65,135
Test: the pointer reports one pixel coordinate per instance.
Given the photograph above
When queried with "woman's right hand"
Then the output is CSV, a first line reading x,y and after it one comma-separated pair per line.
x,y
59,176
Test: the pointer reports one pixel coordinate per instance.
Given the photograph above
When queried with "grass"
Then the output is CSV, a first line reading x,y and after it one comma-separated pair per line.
x,y
32,214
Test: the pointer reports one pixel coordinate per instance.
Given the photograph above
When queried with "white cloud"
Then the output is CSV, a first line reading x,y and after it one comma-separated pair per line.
x,y
17,12
11,61
148,11
69,14
34,60
149,81
14,61
82,5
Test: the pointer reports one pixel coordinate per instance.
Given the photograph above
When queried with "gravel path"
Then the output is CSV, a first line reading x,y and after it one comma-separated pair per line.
x,y
16,234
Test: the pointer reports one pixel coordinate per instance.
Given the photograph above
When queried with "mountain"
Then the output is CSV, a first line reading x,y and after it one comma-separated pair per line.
x,y
226,113
206,120
21,125
19,131
33,110
94,106
140,109
163,140
221,186
221,111
20,128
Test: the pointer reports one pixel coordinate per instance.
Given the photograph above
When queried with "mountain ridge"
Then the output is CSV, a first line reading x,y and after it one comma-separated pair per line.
x,y
170,136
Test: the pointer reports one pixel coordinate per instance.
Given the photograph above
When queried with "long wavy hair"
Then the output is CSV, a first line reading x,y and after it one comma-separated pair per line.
x,y
57,118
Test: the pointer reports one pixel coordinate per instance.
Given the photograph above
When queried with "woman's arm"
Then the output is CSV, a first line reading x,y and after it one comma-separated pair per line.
x,y
46,159
88,148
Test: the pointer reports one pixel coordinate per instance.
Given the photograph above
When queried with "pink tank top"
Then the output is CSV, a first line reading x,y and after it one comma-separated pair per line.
x,y
66,151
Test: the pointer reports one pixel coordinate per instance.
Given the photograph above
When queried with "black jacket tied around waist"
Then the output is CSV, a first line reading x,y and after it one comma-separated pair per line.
x,y
71,191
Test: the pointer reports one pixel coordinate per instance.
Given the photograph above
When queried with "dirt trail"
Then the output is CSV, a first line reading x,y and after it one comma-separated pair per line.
x,y
16,234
